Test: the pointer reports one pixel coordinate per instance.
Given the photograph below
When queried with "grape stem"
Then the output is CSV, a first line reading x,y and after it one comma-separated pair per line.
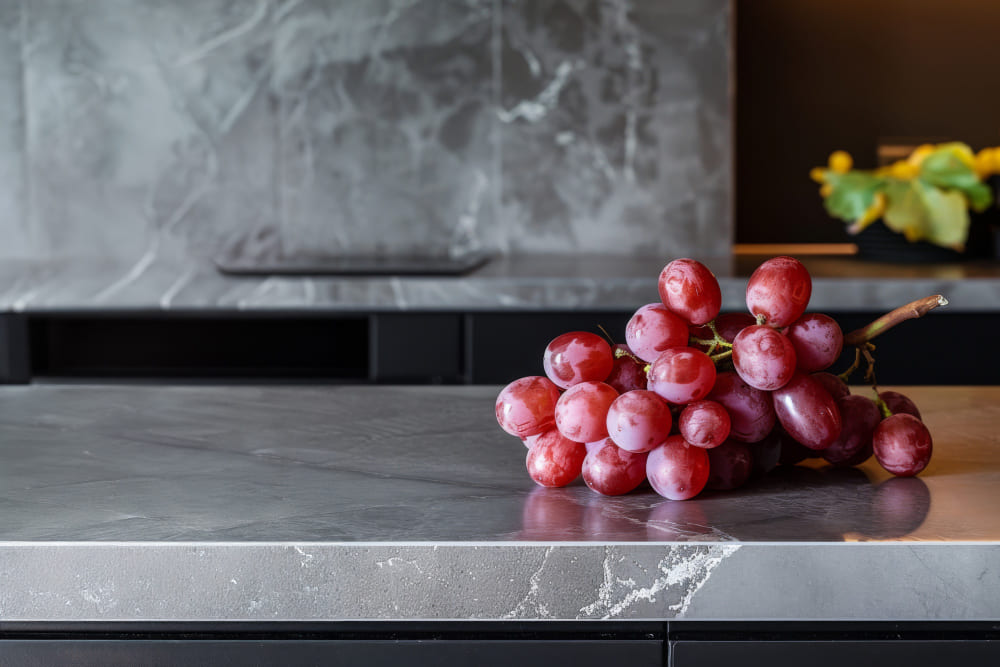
x,y
882,406
910,311
712,343
721,355
607,335
619,353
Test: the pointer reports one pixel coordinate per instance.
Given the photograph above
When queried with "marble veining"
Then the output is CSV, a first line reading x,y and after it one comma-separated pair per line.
x,y
547,283
291,503
143,132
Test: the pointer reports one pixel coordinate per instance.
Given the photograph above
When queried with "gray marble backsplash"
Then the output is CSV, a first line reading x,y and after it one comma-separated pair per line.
x,y
141,129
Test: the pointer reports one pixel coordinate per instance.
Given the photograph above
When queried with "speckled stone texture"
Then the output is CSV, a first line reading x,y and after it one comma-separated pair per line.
x,y
136,131
340,503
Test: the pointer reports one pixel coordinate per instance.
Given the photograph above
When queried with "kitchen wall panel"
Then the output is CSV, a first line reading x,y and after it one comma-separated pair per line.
x,y
15,235
137,130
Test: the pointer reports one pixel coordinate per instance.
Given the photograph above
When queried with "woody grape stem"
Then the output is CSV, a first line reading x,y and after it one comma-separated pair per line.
x,y
910,311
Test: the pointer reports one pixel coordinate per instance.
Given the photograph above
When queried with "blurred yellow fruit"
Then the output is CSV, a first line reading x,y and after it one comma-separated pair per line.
x,y
840,162
903,170
984,163
826,190
994,163
871,214
818,174
920,153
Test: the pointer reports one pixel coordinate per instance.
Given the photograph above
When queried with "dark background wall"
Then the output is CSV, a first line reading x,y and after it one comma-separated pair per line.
x,y
814,76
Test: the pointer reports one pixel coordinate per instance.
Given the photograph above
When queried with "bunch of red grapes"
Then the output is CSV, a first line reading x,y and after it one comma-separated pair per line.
x,y
696,400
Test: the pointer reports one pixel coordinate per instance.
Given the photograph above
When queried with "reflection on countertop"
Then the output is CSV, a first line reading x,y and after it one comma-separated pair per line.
x,y
507,283
334,503
428,463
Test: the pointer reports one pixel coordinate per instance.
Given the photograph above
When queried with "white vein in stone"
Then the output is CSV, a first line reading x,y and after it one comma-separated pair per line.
x,y
682,571
530,606
536,109
225,37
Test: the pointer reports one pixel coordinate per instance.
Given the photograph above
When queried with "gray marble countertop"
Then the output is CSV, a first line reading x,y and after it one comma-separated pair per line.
x,y
334,503
525,283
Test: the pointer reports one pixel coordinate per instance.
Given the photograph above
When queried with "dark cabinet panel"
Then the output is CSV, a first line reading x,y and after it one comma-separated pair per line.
x,y
912,653
14,366
291,653
418,347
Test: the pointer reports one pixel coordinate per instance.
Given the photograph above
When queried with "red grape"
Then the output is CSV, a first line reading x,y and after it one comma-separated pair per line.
x,y
898,403
729,465
682,375
705,424
779,290
639,420
582,411
555,460
703,332
627,373
730,324
832,384
767,453
859,416
690,290
793,452
751,412
807,411
817,339
654,329
902,445
575,357
527,406
529,441
612,471
763,357
676,470
860,456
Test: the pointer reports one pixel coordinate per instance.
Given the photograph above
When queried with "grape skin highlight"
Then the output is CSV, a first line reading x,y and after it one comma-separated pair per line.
x,y
689,289
581,412
808,412
902,445
653,329
705,424
527,406
575,357
779,291
555,460
676,470
682,375
817,340
611,470
639,420
763,357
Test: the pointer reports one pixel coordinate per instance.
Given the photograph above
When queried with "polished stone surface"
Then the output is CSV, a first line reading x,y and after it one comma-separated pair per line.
x,y
117,502
139,130
508,283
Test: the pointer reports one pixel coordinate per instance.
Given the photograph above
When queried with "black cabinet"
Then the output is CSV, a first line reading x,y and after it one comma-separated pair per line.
x,y
332,653
834,653
392,347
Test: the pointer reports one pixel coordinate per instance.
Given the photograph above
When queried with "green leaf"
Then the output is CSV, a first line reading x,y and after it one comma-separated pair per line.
x,y
980,197
852,194
921,211
950,167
